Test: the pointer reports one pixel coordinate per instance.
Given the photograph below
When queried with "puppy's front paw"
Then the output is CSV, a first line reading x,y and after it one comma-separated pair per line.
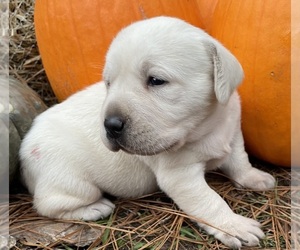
x,y
256,179
237,231
94,211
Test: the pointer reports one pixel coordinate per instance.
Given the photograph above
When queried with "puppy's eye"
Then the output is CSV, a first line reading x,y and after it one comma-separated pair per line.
x,y
107,83
154,81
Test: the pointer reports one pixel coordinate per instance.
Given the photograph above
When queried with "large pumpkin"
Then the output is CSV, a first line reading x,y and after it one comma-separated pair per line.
x,y
258,33
73,35
206,12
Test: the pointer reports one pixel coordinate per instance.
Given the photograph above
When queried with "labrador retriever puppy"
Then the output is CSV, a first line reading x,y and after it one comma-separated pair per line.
x,y
167,112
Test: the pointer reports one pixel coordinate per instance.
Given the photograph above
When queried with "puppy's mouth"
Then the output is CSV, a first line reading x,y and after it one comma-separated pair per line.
x,y
114,145
135,149
146,142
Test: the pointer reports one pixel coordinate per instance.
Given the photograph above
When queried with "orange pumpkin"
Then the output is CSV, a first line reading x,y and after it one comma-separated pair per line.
x,y
73,35
295,90
206,12
258,33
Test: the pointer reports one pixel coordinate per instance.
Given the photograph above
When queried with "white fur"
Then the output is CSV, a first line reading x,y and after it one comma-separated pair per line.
x,y
174,132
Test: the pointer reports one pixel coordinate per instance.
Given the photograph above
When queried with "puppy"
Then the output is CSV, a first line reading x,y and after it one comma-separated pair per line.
x,y
167,112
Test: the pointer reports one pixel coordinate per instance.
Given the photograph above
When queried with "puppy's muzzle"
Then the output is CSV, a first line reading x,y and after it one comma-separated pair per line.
x,y
114,127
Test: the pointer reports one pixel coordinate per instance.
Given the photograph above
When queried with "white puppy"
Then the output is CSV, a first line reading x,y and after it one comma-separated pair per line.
x,y
168,111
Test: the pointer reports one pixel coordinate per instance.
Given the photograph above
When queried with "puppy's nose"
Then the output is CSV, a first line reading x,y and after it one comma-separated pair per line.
x,y
114,126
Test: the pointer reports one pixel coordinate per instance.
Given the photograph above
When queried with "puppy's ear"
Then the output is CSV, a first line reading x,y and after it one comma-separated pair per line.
x,y
228,72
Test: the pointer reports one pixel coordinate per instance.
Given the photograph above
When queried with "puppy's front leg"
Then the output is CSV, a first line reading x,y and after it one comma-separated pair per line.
x,y
188,188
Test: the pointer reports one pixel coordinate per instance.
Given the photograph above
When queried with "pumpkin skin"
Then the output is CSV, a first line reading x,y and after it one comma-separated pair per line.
x,y
258,33
74,35
206,12
24,106
4,134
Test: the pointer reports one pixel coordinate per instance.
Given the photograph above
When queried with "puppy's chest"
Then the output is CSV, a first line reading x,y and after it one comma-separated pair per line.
x,y
213,149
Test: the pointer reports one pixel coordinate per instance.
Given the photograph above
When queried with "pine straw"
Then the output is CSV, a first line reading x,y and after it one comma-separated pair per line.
x,y
24,59
154,221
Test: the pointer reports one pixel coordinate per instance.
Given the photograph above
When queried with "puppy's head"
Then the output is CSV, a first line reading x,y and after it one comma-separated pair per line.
x,y
163,77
